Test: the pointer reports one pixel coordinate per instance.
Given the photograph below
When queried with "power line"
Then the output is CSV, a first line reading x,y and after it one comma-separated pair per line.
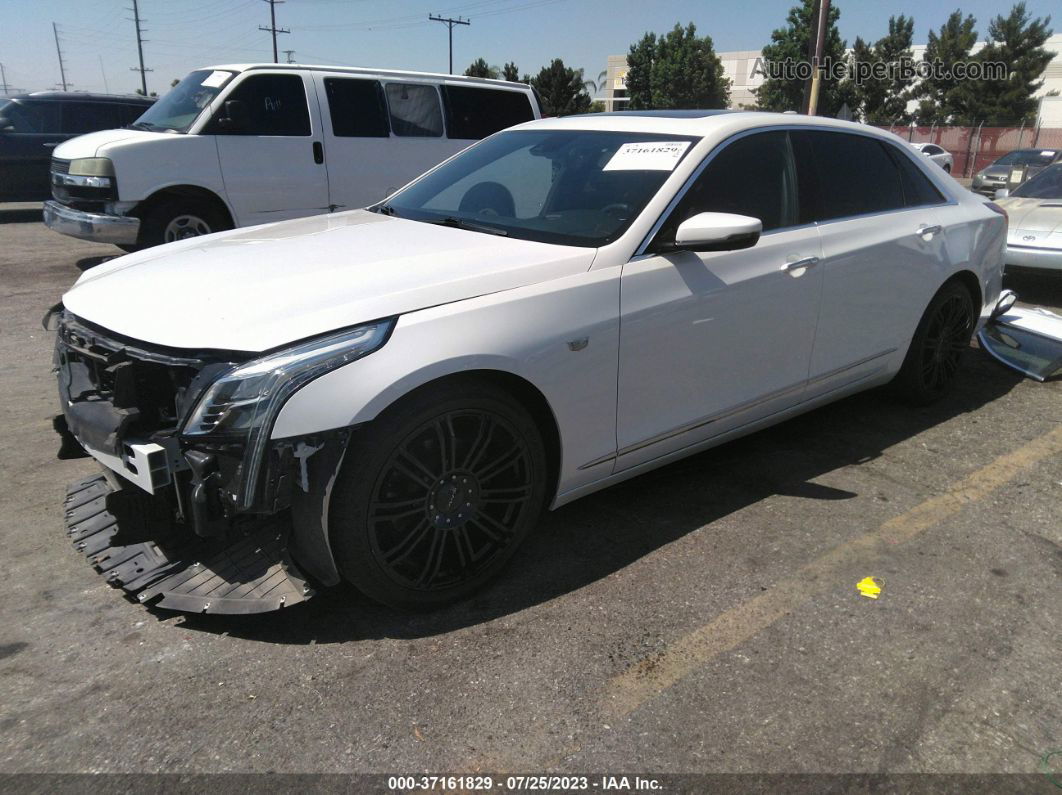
x,y
450,22
273,26
59,52
140,49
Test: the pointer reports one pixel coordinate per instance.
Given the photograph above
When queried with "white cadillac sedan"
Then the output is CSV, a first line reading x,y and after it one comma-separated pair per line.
x,y
393,396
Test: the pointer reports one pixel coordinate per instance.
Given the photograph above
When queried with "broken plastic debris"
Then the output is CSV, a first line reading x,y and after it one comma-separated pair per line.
x,y
869,587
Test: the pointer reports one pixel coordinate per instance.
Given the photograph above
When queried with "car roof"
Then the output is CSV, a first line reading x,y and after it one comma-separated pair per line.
x,y
701,123
366,70
73,96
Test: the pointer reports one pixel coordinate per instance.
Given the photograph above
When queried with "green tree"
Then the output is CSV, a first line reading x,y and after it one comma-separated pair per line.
x,y
480,68
561,90
1016,40
883,94
510,72
678,69
942,95
786,92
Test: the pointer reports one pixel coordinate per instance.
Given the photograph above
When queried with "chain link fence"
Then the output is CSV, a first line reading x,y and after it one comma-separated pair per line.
x,y
975,147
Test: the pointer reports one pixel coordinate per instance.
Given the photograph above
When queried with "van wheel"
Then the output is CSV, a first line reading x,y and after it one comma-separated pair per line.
x,y
180,219
436,495
939,343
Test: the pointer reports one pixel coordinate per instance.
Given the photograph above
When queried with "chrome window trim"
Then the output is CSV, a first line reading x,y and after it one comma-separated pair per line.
x,y
681,192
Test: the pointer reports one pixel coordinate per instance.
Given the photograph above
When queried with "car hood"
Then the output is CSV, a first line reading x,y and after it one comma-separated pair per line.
x,y
261,287
994,171
92,144
1034,215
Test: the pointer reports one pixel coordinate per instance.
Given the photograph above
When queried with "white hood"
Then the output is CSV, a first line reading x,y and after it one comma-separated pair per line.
x,y
261,287
92,144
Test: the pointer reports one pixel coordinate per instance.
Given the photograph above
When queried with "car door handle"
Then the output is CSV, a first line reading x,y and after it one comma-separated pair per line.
x,y
318,152
804,262
930,230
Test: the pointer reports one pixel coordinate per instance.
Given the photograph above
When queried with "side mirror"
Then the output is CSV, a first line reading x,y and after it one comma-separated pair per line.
x,y
236,117
716,232
1001,193
1004,303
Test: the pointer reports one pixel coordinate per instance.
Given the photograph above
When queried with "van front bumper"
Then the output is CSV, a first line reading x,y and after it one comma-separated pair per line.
x,y
100,228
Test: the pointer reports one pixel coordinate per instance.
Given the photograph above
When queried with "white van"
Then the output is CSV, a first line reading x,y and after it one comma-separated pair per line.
x,y
247,144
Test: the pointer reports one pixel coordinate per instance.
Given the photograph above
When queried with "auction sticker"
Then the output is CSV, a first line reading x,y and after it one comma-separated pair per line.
x,y
648,156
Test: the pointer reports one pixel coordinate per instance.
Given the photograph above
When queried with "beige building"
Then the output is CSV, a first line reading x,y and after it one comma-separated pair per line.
x,y
740,67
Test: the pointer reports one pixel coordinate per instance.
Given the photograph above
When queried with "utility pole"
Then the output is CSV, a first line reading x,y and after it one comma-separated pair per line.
x,y
290,54
450,26
140,49
816,45
106,88
273,27
59,51
3,81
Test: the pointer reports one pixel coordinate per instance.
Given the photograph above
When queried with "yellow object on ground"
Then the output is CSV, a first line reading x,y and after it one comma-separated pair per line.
x,y
869,587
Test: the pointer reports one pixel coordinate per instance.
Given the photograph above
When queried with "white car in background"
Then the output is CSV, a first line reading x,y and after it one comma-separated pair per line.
x,y
396,394
938,154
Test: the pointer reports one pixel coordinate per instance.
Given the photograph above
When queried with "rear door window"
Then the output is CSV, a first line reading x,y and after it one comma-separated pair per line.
x,y
357,108
271,105
83,117
473,113
415,110
856,174
918,191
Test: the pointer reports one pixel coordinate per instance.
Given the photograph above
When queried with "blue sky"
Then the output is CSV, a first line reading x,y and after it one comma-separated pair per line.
x,y
98,36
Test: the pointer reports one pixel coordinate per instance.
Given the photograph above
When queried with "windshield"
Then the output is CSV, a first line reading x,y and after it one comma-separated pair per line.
x,y
1027,157
178,109
572,187
1045,185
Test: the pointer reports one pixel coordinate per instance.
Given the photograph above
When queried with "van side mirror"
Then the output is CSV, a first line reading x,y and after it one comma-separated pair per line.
x,y
1001,193
236,118
715,232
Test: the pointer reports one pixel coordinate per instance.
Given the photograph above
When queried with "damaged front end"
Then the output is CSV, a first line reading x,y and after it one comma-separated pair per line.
x,y
196,504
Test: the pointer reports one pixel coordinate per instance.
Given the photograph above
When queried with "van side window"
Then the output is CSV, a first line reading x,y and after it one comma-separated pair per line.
x,y
752,176
270,105
83,117
357,108
856,174
414,110
473,113
33,117
918,191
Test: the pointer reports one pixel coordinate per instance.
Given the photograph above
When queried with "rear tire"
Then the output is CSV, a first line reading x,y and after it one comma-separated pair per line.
x,y
179,219
938,346
436,494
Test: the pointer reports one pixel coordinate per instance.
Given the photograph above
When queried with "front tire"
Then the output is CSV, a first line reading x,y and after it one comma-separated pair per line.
x,y
180,219
436,494
937,348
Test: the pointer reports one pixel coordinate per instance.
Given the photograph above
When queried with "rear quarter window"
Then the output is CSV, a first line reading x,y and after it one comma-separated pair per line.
x,y
473,113
415,110
918,191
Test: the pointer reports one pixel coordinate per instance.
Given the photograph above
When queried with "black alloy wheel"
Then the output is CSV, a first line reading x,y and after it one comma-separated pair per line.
x,y
444,495
939,343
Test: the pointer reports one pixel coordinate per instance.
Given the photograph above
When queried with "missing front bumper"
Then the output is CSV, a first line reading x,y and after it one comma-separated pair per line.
x,y
247,571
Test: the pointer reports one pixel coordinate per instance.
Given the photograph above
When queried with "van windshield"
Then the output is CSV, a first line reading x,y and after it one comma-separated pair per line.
x,y
178,109
571,187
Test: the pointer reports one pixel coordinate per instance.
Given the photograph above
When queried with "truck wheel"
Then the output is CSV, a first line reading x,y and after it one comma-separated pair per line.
x,y
942,337
436,495
179,219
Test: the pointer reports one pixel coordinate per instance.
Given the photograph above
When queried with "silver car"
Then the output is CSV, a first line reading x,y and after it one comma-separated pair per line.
x,y
990,179
1034,211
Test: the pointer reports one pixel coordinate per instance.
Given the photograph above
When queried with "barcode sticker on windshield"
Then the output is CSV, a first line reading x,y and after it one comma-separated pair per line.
x,y
648,156
215,79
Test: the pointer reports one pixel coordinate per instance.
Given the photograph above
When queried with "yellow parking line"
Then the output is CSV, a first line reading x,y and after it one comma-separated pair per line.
x,y
627,691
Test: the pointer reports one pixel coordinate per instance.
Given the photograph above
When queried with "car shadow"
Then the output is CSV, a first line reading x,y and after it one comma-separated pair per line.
x,y
601,534
1035,288
20,215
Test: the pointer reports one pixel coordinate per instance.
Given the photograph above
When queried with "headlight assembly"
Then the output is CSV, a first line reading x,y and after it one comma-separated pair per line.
x,y
242,404
91,167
